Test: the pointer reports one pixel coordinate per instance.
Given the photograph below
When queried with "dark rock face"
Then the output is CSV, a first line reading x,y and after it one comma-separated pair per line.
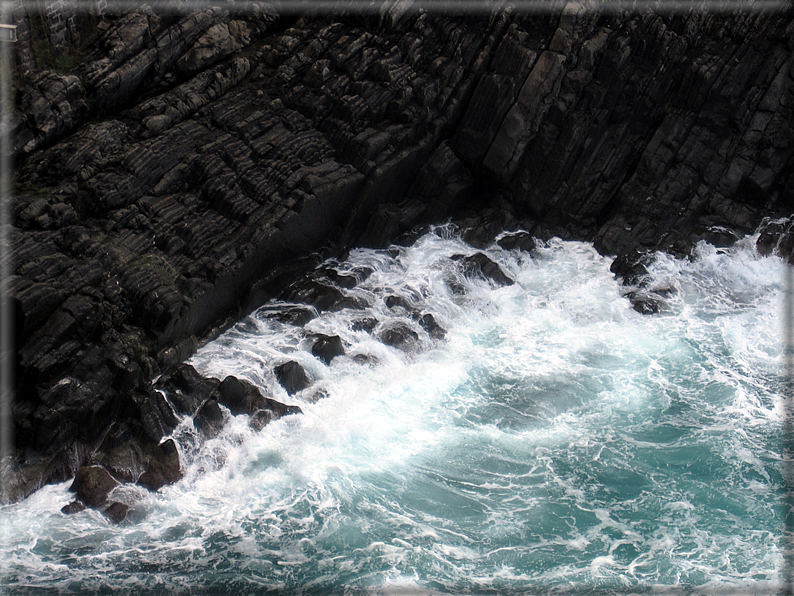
x,y
169,184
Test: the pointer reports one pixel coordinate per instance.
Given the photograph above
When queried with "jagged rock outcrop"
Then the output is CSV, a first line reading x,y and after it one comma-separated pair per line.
x,y
192,164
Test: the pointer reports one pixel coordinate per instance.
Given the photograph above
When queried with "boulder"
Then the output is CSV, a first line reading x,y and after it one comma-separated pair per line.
x,y
209,419
73,507
479,265
92,485
401,336
630,267
292,377
234,395
429,324
186,388
163,468
116,512
328,347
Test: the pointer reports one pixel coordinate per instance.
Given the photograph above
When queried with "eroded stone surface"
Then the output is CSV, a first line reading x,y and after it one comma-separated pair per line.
x,y
169,185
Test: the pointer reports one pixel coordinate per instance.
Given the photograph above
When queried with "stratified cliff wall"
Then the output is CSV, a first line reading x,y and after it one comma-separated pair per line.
x,y
176,169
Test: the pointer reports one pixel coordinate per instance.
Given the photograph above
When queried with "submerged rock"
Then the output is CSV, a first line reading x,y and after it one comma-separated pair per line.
x,y
366,324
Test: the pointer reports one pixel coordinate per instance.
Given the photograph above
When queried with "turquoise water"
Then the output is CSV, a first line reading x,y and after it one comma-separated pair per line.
x,y
555,441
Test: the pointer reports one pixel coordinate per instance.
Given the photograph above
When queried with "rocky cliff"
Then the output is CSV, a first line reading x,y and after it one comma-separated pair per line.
x,y
174,169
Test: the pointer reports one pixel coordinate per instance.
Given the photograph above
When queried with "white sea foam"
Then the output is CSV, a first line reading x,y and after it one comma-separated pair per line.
x,y
555,439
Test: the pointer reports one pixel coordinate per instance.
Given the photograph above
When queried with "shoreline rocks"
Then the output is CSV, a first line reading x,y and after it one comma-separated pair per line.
x,y
191,166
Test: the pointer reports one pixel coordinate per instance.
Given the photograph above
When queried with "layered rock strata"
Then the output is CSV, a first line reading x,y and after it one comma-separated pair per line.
x,y
198,163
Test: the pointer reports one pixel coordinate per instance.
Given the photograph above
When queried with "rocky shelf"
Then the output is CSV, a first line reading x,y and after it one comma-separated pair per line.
x,y
189,165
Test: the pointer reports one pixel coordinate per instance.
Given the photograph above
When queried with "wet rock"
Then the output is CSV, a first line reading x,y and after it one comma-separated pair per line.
x,y
163,468
366,359
209,419
429,324
776,237
480,265
366,324
399,335
92,485
186,388
394,301
116,512
73,507
631,267
260,419
234,395
323,297
340,279
328,347
266,410
292,377
646,304
718,236
519,240
294,315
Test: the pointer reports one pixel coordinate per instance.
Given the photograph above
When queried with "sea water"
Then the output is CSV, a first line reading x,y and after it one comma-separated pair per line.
x,y
554,441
